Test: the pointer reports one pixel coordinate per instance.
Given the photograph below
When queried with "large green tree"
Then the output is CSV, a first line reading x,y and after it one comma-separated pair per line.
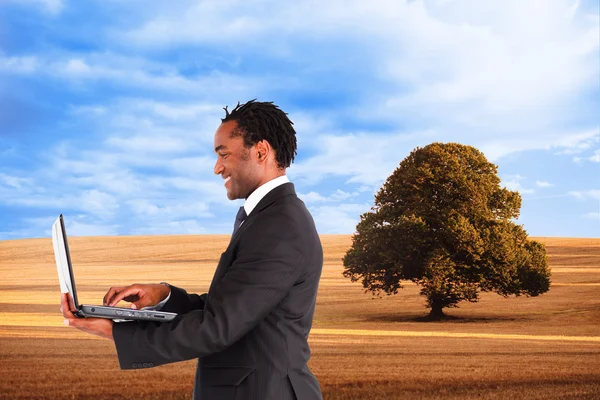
x,y
443,221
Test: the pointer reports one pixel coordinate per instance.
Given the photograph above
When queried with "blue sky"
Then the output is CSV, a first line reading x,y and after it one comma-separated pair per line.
x,y
108,108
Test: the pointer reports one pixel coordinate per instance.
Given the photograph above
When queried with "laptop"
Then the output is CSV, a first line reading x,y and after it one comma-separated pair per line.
x,y
67,285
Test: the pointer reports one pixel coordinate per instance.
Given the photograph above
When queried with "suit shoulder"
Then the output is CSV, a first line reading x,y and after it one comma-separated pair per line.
x,y
288,211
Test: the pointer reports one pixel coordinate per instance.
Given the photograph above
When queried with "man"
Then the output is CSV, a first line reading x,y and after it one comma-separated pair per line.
x,y
249,332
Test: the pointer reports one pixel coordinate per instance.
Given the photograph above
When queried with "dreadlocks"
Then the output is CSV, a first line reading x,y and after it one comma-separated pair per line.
x,y
258,121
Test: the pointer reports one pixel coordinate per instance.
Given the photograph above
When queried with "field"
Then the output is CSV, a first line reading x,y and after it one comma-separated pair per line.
x,y
547,347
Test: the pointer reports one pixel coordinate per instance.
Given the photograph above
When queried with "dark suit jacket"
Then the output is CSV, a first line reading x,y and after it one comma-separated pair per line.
x,y
249,332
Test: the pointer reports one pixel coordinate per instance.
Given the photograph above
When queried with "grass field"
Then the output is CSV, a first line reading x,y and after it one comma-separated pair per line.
x,y
546,347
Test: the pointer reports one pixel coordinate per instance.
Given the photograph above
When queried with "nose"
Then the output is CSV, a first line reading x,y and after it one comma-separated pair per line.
x,y
218,167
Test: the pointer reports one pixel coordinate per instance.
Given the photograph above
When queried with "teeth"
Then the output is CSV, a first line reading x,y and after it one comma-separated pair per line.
x,y
227,179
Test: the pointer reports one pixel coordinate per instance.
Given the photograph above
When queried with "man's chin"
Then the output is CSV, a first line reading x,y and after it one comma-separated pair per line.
x,y
236,195
232,196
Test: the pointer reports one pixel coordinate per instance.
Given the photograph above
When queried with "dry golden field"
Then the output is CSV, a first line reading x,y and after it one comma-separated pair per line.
x,y
546,347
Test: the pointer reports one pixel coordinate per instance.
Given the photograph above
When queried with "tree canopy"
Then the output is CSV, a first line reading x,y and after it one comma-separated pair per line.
x,y
443,221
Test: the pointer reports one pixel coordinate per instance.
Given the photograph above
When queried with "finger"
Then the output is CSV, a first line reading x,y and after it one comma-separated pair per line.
x,y
79,323
111,292
144,301
131,299
128,291
71,303
64,306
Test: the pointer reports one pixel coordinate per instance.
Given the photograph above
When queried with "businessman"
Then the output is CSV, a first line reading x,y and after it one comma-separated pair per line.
x,y
249,332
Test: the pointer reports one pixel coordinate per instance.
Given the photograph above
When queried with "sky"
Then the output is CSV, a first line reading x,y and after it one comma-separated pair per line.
x,y
108,108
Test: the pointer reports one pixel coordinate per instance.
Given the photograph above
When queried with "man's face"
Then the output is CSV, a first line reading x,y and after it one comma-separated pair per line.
x,y
235,163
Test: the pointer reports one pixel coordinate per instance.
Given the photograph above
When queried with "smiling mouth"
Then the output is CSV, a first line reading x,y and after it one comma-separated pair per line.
x,y
227,180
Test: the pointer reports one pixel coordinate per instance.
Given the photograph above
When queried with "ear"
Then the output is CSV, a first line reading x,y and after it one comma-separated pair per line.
x,y
263,149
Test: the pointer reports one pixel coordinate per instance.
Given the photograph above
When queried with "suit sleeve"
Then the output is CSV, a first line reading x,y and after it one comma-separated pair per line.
x,y
260,277
181,302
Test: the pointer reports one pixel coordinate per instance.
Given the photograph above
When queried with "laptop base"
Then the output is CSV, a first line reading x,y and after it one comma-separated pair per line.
x,y
124,313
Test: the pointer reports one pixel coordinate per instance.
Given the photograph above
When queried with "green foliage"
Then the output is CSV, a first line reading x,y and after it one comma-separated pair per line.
x,y
442,221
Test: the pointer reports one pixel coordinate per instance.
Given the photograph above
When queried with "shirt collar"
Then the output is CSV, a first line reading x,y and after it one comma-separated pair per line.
x,y
256,196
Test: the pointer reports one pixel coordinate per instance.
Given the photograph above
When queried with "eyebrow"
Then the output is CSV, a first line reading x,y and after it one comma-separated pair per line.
x,y
220,147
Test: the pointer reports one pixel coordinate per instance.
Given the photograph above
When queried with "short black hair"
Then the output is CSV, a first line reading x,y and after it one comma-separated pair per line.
x,y
258,121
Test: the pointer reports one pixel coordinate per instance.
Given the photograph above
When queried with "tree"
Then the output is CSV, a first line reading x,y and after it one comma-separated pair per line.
x,y
442,221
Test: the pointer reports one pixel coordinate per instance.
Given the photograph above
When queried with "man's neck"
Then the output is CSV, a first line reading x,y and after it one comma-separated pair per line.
x,y
269,177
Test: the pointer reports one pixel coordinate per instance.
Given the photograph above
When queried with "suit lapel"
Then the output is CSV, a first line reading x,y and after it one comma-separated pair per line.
x,y
227,257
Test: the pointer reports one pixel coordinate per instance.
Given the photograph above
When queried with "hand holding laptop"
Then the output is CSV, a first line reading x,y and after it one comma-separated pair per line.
x,y
97,326
139,295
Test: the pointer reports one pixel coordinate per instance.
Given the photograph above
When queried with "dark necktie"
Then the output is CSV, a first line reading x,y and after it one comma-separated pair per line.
x,y
239,218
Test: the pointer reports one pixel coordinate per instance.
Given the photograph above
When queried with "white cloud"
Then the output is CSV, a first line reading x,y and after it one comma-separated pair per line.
x,y
513,182
341,218
76,225
309,126
117,173
364,158
33,192
474,63
578,142
489,58
192,166
98,203
367,188
147,144
543,184
478,72
201,22
135,72
19,65
337,196
586,194
36,201
312,197
78,67
340,195
88,110
99,175
179,112
120,184
34,227
170,209
563,142
13,181
595,157
595,216
76,228
175,136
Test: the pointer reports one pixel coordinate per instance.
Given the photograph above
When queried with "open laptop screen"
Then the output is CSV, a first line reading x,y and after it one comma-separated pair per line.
x,y
63,259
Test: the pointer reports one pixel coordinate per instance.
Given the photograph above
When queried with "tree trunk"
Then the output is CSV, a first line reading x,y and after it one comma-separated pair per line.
x,y
436,310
